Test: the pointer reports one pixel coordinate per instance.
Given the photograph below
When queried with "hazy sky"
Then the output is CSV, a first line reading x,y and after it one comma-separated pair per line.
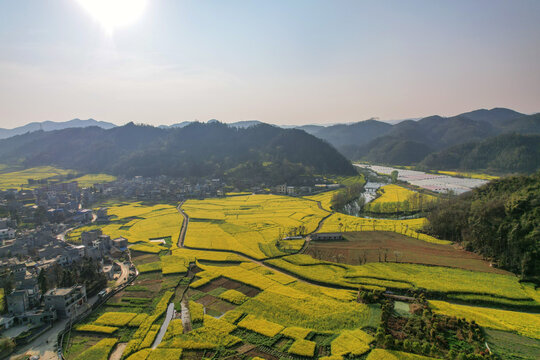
x,y
283,62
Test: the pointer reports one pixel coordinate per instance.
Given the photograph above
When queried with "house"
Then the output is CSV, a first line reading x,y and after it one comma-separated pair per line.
x,y
281,189
66,301
88,237
7,234
6,322
290,190
326,237
120,243
38,317
18,302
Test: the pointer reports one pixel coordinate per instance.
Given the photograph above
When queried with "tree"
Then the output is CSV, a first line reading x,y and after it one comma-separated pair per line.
x,y
42,281
394,176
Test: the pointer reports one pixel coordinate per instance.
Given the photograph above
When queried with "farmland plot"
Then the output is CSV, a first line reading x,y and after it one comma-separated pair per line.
x,y
251,224
398,199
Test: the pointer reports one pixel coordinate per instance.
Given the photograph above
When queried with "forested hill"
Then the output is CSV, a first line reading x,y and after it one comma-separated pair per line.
x,y
410,142
509,153
212,149
500,220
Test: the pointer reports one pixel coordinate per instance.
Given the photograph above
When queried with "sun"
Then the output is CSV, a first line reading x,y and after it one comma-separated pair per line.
x,y
112,14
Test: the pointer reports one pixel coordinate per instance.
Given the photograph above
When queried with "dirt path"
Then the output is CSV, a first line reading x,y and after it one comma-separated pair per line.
x,y
186,317
118,351
182,235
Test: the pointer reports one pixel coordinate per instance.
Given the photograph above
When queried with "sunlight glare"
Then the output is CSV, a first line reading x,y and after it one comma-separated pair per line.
x,y
113,14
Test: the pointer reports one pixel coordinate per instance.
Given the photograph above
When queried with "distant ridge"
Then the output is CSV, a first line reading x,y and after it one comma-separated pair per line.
x,y
53,125
260,153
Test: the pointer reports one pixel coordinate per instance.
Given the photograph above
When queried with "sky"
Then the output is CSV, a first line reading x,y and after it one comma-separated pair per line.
x,y
281,62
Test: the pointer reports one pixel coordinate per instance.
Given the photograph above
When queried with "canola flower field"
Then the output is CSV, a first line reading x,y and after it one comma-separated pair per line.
x,y
469,175
250,224
523,323
143,225
20,179
293,305
404,276
395,199
339,222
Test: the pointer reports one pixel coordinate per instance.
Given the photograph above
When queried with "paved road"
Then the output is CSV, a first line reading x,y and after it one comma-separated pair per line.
x,y
45,345
168,317
123,275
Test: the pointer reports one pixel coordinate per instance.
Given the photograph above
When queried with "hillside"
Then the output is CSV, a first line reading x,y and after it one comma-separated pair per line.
x,y
499,220
412,142
198,149
509,153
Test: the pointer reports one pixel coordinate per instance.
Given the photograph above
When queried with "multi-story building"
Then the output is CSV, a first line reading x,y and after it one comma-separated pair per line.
x,y
18,302
66,301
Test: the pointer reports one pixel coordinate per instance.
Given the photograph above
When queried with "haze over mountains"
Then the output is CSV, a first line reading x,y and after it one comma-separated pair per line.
x,y
470,141
53,125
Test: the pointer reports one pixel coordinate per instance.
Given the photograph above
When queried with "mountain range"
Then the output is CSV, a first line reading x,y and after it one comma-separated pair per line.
x,y
262,153
431,142
53,125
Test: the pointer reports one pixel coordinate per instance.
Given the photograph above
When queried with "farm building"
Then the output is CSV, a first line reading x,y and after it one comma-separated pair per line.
x,y
326,236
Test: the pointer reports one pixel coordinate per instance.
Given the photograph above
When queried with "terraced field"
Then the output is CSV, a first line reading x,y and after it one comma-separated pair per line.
x,y
403,276
252,225
290,307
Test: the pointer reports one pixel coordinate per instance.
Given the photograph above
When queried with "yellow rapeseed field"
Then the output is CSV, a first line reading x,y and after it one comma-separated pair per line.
x,y
99,351
260,326
115,318
250,224
522,323
469,175
395,198
338,222
19,179
398,275
351,342
325,198
303,348
140,224
93,179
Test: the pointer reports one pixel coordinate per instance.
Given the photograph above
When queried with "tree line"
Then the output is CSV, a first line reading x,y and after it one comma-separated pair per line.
x,y
500,220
